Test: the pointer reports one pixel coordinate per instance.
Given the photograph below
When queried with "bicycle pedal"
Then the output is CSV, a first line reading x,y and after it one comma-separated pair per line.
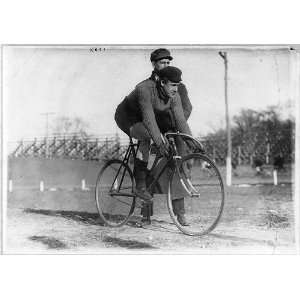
x,y
145,222
138,225
194,195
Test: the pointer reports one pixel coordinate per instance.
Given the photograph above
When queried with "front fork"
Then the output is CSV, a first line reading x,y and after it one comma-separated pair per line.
x,y
184,180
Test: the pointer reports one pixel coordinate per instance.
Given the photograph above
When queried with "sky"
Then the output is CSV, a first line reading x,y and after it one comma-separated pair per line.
x,y
80,82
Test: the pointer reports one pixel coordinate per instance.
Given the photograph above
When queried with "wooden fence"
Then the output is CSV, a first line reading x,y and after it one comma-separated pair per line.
x,y
75,147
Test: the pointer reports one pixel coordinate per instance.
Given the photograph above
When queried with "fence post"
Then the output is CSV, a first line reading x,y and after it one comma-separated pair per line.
x,y
54,147
65,146
46,147
275,177
83,185
34,147
22,147
96,151
85,150
42,187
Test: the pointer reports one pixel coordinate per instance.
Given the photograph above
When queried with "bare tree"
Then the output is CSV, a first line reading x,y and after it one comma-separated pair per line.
x,y
71,126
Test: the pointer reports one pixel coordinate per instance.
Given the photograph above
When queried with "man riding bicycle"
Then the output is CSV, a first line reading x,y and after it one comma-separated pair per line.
x,y
161,58
143,114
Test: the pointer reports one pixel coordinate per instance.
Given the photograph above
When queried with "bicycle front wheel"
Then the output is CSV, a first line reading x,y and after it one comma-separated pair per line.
x,y
203,198
114,193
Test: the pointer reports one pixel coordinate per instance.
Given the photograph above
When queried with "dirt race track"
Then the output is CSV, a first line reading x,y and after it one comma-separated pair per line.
x,y
256,219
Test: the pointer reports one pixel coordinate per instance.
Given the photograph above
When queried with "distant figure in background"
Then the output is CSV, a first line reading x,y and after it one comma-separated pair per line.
x,y
234,166
278,162
258,165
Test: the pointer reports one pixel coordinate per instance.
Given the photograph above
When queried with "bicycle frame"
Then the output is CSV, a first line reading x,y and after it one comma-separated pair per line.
x,y
172,161
129,151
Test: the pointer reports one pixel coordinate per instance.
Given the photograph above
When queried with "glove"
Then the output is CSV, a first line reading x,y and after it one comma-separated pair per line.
x,y
163,149
190,145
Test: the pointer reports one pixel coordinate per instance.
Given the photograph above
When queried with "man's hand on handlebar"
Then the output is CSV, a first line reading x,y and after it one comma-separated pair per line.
x,y
163,149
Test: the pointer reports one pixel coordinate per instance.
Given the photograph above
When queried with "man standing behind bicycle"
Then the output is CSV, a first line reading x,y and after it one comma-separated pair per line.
x,y
161,58
141,114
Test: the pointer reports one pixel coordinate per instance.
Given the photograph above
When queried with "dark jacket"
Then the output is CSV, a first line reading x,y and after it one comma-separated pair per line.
x,y
145,104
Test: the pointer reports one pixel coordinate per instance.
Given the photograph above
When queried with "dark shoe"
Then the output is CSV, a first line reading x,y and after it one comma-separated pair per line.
x,y
182,220
146,221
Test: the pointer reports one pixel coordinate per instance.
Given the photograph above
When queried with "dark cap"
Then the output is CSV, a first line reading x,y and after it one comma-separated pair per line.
x,y
171,73
159,54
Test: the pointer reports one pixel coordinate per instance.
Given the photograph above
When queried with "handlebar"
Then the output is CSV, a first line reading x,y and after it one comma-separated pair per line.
x,y
190,140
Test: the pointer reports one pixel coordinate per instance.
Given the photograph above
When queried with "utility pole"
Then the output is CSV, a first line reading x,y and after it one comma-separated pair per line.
x,y
47,114
228,129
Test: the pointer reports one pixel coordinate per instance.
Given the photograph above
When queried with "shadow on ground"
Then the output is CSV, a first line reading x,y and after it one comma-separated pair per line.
x,y
156,225
128,244
94,219
85,217
50,242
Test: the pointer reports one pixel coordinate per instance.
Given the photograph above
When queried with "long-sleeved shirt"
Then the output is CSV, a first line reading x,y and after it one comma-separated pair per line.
x,y
143,103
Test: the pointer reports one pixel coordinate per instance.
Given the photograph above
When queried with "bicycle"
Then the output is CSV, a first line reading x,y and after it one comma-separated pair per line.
x,y
195,174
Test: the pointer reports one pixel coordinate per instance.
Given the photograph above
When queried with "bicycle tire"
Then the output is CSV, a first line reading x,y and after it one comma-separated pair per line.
x,y
204,211
115,210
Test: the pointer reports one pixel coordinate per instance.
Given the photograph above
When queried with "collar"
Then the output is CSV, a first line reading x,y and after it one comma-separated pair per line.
x,y
154,76
161,92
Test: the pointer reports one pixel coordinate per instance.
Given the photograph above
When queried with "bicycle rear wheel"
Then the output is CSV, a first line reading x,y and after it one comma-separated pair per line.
x,y
203,209
114,193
